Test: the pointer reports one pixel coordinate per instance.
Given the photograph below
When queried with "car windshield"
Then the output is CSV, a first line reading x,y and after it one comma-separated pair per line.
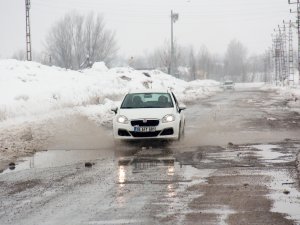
x,y
147,100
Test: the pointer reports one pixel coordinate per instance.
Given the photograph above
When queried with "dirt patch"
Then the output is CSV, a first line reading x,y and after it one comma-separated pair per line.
x,y
20,186
221,191
194,218
238,192
258,218
245,196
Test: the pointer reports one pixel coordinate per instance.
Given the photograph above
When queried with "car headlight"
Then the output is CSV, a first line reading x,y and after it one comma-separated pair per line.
x,y
122,119
168,118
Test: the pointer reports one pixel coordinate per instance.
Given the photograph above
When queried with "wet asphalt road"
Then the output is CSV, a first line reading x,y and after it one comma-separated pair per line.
x,y
236,165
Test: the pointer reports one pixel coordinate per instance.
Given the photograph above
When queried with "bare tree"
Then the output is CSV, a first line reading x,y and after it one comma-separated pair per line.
x,y
204,62
192,64
235,61
163,55
255,68
77,42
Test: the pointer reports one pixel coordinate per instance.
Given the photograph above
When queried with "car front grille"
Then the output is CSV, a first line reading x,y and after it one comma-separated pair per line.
x,y
144,134
145,123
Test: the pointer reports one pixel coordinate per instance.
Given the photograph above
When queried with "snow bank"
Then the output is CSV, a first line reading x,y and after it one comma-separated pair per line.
x,y
29,90
198,89
290,93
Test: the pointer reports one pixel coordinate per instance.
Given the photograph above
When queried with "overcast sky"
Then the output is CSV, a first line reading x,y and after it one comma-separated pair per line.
x,y
142,25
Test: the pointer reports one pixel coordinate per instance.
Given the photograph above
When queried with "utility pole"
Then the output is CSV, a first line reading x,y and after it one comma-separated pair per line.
x,y
298,27
174,18
291,55
28,34
277,43
284,59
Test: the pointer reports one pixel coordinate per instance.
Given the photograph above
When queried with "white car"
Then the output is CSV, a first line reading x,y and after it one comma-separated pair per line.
x,y
228,84
149,115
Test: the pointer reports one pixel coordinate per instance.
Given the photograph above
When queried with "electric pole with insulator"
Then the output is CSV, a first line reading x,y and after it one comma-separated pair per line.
x,y
28,34
174,18
291,54
298,27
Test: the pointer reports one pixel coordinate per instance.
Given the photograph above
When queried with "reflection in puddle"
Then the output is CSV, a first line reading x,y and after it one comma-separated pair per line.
x,y
139,165
57,158
171,191
144,163
144,171
122,176
171,170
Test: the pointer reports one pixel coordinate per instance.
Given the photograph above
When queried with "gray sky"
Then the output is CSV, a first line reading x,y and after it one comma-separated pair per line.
x,y
142,25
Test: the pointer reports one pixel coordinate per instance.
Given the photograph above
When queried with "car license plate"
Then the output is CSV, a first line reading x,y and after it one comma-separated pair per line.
x,y
144,129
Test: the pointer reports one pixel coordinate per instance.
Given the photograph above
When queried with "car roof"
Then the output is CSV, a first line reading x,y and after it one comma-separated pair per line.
x,y
149,91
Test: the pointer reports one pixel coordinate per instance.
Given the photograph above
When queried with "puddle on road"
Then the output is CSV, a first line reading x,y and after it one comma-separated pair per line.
x,y
58,158
268,154
138,158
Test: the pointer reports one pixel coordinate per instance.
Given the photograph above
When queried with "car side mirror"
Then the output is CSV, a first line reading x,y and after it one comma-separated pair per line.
x,y
181,107
114,109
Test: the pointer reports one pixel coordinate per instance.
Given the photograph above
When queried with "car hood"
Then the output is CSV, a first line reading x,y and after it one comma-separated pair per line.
x,y
132,114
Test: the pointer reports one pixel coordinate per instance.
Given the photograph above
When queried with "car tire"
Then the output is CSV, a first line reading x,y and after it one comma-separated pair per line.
x,y
183,131
179,132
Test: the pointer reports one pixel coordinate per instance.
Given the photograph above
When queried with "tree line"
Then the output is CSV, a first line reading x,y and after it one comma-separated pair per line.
x,y
191,64
77,41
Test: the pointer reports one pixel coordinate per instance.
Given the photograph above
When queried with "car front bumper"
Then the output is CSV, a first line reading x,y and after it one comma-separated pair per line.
x,y
166,131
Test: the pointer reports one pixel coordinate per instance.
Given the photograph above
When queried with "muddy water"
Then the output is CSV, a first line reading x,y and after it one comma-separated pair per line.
x,y
241,116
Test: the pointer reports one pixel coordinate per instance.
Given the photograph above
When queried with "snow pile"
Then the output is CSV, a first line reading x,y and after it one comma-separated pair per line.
x,y
100,67
29,90
290,93
198,89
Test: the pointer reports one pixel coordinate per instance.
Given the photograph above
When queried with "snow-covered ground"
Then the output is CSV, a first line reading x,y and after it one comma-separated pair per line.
x,y
290,93
29,90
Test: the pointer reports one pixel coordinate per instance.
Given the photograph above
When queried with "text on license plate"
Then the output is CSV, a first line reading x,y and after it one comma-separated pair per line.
x,y
144,129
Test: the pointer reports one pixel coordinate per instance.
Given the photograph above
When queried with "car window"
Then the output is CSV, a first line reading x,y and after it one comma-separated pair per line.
x,y
147,100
